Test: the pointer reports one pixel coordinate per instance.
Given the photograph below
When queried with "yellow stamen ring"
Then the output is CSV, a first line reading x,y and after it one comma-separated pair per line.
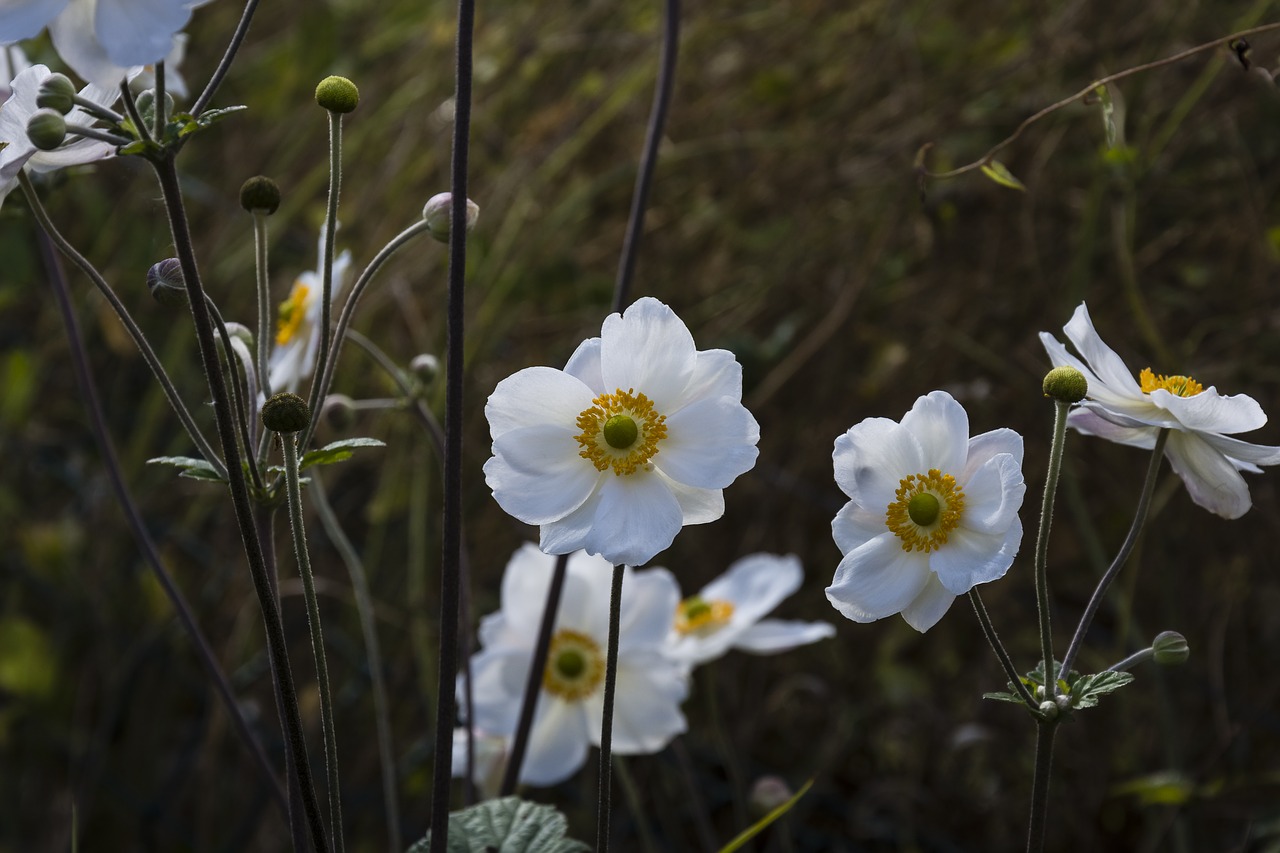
x,y
696,615
292,312
1179,386
620,431
926,508
575,666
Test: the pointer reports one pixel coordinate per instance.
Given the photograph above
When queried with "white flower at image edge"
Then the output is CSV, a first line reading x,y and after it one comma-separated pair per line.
x,y
297,341
728,613
637,436
932,512
1133,411
570,709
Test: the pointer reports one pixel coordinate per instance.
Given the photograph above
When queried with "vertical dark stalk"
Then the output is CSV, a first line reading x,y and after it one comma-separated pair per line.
x,y
161,114
606,725
1042,546
237,38
989,631
326,270
1045,731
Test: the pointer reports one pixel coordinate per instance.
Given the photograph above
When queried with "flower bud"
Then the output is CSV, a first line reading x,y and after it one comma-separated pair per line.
x,y
166,283
1049,709
57,92
286,413
146,104
339,411
439,215
260,195
768,793
337,94
240,332
47,129
1065,384
1170,648
426,367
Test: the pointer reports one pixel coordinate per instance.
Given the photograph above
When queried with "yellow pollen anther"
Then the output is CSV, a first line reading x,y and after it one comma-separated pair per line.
x,y
1179,386
696,615
575,666
620,431
925,509
292,312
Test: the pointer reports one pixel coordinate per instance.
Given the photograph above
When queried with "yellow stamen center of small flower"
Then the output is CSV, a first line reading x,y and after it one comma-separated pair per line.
x,y
696,615
925,509
575,666
620,431
292,311
1179,386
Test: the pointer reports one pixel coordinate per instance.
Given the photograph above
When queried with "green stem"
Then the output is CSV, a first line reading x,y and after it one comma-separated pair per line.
x,y
1042,543
239,394
158,92
326,267
989,631
264,302
1045,731
131,107
603,802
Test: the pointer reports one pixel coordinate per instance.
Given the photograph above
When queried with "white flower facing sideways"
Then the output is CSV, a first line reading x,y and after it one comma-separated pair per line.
x,y
570,709
1133,411
636,437
932,512
297,342
728,613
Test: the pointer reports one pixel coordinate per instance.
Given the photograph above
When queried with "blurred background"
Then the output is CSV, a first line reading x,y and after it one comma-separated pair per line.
x,y
787,224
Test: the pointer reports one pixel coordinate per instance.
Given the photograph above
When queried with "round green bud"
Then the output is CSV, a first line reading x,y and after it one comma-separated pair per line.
x,y
260,195
337,94
426,367
166,283
1170,648
438,212
286,413
923,509
47,129
146,104
57,92
339,411
1065,384
620,432
1049,709
570,663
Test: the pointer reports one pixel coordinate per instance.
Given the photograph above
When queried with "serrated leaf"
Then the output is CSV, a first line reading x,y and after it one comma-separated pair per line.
x,y
194,469
1001,696
998,172
208,117
337,451
760,825
1087,688
507,825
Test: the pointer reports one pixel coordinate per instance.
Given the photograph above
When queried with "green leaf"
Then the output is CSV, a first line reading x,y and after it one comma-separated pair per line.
x,y
1108,114
508,825
1087,688
1005,697
194,469
760,825
998,172
337,451
1166,788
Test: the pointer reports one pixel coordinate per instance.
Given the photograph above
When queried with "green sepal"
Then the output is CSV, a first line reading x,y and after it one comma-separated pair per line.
x,y
336,452
1082,690
194,469
509,825
998,172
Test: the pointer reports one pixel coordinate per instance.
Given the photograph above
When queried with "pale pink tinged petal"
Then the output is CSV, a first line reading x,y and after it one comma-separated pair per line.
x,y
699,506
77,41
637,517
778,635
24,19
650,349
585,365
1209,411
854,526
941,425
537,395
993,495
970,557
987,445
1210,477
140,32
709,444
930,605
1242,451
1088,421
536,474
716,373
1108,366
871,459
558,742
756,584
878,579
647,713
570,533
649,603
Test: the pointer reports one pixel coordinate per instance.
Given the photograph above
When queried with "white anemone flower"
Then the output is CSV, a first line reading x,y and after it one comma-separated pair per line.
x,y
21,154
728,613
489,759
636,437
297,342
932,513
12,63
1133,411
570,705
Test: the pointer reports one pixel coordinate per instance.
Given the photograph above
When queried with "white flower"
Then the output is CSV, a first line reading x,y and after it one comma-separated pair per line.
x,y
650,686
637,436
12,63
489,753
1130,411
933,512
297,342
20,153
729,613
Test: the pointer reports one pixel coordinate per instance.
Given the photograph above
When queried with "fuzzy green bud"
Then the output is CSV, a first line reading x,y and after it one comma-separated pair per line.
x,y
426,367
337,94
286,413
438,212
166,283
146,104
1170,648
260,195
1049,709
57,92
47,129
1065,384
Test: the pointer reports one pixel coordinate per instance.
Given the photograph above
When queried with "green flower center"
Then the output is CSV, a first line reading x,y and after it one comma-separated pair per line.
x,y
570,663
696,615
575,666
926,508
923,509
620,432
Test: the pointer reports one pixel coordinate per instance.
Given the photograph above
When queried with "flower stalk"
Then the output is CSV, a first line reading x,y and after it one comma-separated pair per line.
x,y
1060,409
606,724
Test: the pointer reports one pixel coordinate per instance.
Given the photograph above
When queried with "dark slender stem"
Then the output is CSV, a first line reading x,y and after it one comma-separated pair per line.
x,y
237,38
649,160
1130,540
131,107
989,631
1042,544
97,110
94,133
262,272
533,684
276,643
239,393
1045,731
603,802
326,269
98,424
160,117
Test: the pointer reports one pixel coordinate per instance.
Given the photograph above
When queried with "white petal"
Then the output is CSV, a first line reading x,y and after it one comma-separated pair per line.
x,y
1211,479
636,518
930,605
699,506
777,635
525,581
941,425
716,373
536,474
1107,366
498,677
24,19
570,533
557,742
585,365
993,495
709,444
584,603
755,585
877,580
1243,451
650,349
970,557
140,32
854,526
536,395
1209,411
983,447
647,711
1060,356
871,459
1089,421
649,602
75,38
